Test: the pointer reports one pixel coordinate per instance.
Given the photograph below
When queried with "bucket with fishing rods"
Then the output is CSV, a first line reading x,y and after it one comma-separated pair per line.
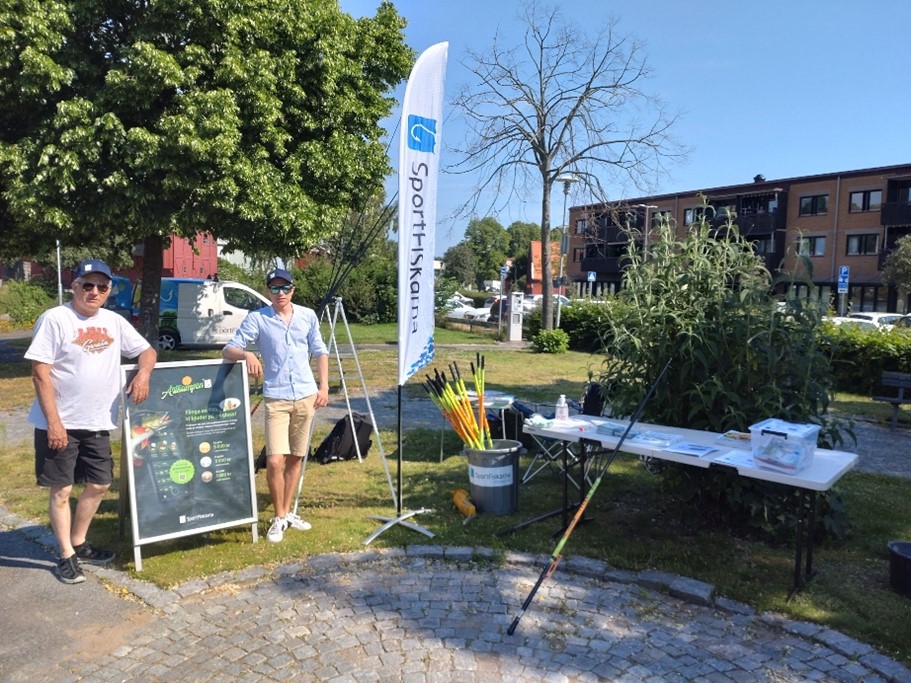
x,y
493,464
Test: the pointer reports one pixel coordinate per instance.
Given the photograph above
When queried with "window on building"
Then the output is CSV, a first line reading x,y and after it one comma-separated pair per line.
x,y
580,226
764,245
661,217
578,254
814,205
867,200
859,245
812,246
693,215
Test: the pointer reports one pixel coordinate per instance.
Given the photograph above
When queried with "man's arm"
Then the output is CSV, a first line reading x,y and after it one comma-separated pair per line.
x,y
254,367
322,368
139,387
47,399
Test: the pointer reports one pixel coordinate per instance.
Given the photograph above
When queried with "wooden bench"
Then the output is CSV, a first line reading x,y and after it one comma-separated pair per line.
x,y
901,381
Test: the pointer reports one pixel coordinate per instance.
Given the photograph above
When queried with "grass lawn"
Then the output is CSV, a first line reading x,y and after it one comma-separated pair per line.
x,y
635,523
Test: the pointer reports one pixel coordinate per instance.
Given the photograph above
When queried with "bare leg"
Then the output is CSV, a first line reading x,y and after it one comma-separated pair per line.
x,y
292,474
86,508
276,465
61,518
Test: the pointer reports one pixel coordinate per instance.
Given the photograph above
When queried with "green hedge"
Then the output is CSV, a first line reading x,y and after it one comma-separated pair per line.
x,y
860,356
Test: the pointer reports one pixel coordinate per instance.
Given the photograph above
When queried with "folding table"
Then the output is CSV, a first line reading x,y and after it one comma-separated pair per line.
x,y
826,468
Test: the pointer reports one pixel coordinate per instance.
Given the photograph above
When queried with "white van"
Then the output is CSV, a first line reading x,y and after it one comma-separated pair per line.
x,y
195,312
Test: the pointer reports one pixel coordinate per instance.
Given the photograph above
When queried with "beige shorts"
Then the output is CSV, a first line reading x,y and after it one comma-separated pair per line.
x,y
288,425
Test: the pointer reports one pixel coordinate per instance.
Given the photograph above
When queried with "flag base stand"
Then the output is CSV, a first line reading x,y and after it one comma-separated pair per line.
x,y
392,521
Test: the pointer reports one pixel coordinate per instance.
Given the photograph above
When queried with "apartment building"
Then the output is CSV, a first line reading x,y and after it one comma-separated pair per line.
x,y
847,219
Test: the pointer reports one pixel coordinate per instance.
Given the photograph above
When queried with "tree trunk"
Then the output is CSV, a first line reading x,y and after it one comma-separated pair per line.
x,y
547,303
152,261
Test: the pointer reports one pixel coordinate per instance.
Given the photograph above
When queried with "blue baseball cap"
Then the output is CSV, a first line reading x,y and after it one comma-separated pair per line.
x,y
279,274
92,265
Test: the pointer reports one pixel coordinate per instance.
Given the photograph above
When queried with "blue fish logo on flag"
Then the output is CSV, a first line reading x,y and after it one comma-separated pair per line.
x,y
422,133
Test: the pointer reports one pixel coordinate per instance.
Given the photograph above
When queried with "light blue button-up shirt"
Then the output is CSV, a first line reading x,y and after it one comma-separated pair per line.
x,y
286,350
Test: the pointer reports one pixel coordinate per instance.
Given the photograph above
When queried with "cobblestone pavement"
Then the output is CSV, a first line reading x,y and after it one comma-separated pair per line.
x,y
429,613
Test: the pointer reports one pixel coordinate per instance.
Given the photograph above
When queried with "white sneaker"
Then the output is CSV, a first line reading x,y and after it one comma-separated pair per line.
x,y
277,530
295,522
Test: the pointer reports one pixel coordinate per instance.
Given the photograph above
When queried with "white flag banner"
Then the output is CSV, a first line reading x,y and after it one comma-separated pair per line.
x,y
419,162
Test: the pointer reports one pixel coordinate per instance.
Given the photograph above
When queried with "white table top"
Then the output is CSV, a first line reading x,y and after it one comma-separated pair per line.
x,y
495,400
826,467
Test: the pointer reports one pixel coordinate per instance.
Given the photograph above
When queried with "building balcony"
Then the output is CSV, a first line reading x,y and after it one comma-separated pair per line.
x,y
895,213
756,223
603,265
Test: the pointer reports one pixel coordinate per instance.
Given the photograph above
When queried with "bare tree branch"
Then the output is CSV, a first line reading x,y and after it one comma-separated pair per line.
x,y
560,103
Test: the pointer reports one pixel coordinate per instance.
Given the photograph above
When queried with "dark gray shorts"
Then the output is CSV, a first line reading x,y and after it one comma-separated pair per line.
x,y
86,458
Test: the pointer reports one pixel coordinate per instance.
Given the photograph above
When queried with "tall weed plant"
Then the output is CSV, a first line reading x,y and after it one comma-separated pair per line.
x,y
706,304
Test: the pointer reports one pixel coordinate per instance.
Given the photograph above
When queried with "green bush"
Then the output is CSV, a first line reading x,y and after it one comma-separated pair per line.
x,y
706,305
23,301
550,341
860,356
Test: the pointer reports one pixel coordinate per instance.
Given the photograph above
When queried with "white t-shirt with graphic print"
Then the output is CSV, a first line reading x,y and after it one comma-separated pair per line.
x,y
85,354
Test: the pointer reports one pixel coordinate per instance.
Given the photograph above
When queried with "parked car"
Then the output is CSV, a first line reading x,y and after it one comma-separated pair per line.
x,y
196,312
533,301
458,311
459,299
865,325
481,313
903,323
884,320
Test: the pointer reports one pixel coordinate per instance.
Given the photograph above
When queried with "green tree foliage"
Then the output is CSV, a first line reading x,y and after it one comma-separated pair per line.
x,y
461,264
369,294
897,267
257,120
521,235
490,243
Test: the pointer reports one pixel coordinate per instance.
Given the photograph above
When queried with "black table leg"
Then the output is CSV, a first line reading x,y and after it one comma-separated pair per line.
x,y
806,521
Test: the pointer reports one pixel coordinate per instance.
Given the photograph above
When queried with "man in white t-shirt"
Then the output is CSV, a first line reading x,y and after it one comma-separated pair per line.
x,y
75,352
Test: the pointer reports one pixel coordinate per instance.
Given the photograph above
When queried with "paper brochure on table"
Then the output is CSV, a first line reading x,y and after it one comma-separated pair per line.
x,y
737,459
689,448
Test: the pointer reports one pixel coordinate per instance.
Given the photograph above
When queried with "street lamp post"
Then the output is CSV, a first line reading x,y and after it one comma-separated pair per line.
x,y
567,180
646,230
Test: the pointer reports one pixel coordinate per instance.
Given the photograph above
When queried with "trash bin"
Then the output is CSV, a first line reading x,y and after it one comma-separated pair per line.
x,y
494,477
900,567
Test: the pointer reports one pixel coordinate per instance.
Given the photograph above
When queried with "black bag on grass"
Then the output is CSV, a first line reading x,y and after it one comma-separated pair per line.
x,y
339,444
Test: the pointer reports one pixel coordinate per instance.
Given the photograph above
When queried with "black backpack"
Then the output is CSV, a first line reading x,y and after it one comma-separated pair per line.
x,y
339,444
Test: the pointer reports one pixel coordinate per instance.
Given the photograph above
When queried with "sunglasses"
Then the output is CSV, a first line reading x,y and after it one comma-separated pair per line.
x,y
281,289
89,286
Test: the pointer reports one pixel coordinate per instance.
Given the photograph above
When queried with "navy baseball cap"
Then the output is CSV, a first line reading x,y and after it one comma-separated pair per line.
x,y
92,265
279,274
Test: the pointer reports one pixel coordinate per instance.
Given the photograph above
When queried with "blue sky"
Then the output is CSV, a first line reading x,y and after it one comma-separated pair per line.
x,y
781,88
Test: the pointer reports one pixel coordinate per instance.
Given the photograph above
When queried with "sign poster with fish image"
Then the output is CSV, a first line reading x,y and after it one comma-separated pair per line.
x,y
189,451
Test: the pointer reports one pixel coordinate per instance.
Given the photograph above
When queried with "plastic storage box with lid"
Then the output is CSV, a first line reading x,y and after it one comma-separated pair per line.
x,y
783,446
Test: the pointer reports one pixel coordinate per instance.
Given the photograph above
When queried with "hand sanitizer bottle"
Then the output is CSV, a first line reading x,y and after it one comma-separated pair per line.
x,y
562,412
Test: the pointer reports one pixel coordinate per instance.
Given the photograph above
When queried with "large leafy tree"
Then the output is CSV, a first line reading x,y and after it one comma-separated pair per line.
x,y
255,120
561,102
460,264
490,243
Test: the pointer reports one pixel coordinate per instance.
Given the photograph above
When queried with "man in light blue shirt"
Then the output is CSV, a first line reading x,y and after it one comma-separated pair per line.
x,y
287,336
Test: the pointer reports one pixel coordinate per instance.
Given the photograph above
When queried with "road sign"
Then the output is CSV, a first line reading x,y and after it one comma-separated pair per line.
x,y
843,274
503,271
592,275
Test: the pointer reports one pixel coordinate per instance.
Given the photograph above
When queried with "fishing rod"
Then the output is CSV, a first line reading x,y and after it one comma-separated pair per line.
x,y
556,555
